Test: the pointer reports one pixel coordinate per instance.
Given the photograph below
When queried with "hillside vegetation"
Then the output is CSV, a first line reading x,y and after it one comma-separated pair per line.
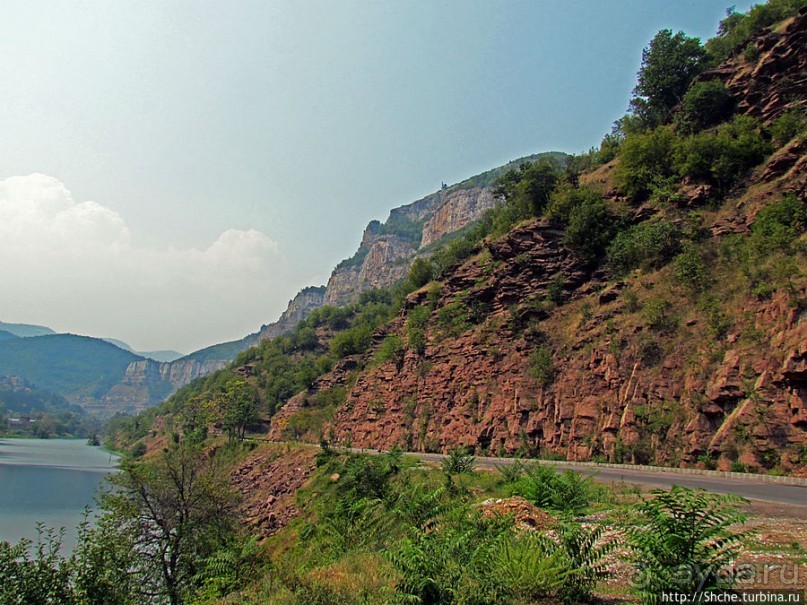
x,y
68,365
643,303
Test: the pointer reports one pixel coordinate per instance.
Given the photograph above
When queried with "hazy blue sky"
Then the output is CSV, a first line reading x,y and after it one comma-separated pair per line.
x,y
171,173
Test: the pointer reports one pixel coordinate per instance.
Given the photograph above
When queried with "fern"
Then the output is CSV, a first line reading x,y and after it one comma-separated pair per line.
x,y
586,552
686,541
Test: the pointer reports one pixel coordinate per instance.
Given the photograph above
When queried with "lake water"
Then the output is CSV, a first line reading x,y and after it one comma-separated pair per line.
x,y
48,480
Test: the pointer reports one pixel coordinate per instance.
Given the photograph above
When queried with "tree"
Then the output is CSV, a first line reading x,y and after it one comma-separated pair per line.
x,y
239,407
668,66
175,512
705,104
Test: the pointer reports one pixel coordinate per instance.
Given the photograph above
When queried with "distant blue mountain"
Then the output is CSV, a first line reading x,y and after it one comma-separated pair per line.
x,y
25,330
155,355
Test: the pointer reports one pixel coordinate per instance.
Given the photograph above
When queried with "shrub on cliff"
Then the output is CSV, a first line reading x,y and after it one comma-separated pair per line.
x,y
647,245
737,28
723,155
645,162
705,104
787,126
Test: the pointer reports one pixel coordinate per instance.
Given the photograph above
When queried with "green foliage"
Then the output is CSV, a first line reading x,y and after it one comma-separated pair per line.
x,y
527,190
751,52
705,104
416,322
787,126
648,245
724,155
685,541
37,578
228,569
565,198
568,491
237,403
645,162
690,270
352,341
178,505
657,314
404,227
457,461
669,64
585,551
392,349
420,273
138,450
542,365
590,229
777,226
453,318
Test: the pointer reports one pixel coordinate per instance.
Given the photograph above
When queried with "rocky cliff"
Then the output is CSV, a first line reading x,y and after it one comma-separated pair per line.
x,y
148,382
298,309
530,350
387,250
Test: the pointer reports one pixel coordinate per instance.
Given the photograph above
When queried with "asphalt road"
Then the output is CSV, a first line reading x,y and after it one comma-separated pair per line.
x,y
749,487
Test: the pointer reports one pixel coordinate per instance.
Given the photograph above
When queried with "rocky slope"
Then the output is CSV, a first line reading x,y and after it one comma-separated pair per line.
x,y
530,350
385,254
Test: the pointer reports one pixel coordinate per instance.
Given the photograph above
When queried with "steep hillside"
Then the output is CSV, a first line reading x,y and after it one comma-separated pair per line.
x,y
644,303
78,368
681,341
388,249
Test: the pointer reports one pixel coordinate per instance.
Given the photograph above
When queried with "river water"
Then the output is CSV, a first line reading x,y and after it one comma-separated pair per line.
x,y
48,480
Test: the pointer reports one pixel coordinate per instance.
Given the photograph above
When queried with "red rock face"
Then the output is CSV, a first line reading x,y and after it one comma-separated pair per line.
x,y
610,398
775,82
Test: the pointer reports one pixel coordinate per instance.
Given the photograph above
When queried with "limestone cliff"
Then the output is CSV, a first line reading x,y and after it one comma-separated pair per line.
x,y
458,209
387,250
298,309
148,382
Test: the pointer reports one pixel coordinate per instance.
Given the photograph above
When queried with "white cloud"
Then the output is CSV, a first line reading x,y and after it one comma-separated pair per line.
x,y
74,266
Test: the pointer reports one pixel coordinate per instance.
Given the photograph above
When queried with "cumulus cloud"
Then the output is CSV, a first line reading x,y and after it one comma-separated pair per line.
x,y
73,265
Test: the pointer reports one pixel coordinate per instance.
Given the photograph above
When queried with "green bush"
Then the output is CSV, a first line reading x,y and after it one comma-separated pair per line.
x,y
777,226
416,322
787,126
565,197
352,341
685,542
590,229
751,52
690,269
420,273
563,492
542,365
457,461
391,349
453,318
645,162
656,313
647,245
705,104
737,28
668,66
724,155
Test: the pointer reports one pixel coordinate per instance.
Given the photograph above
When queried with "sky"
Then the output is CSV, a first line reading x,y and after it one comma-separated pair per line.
x,y
173,172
